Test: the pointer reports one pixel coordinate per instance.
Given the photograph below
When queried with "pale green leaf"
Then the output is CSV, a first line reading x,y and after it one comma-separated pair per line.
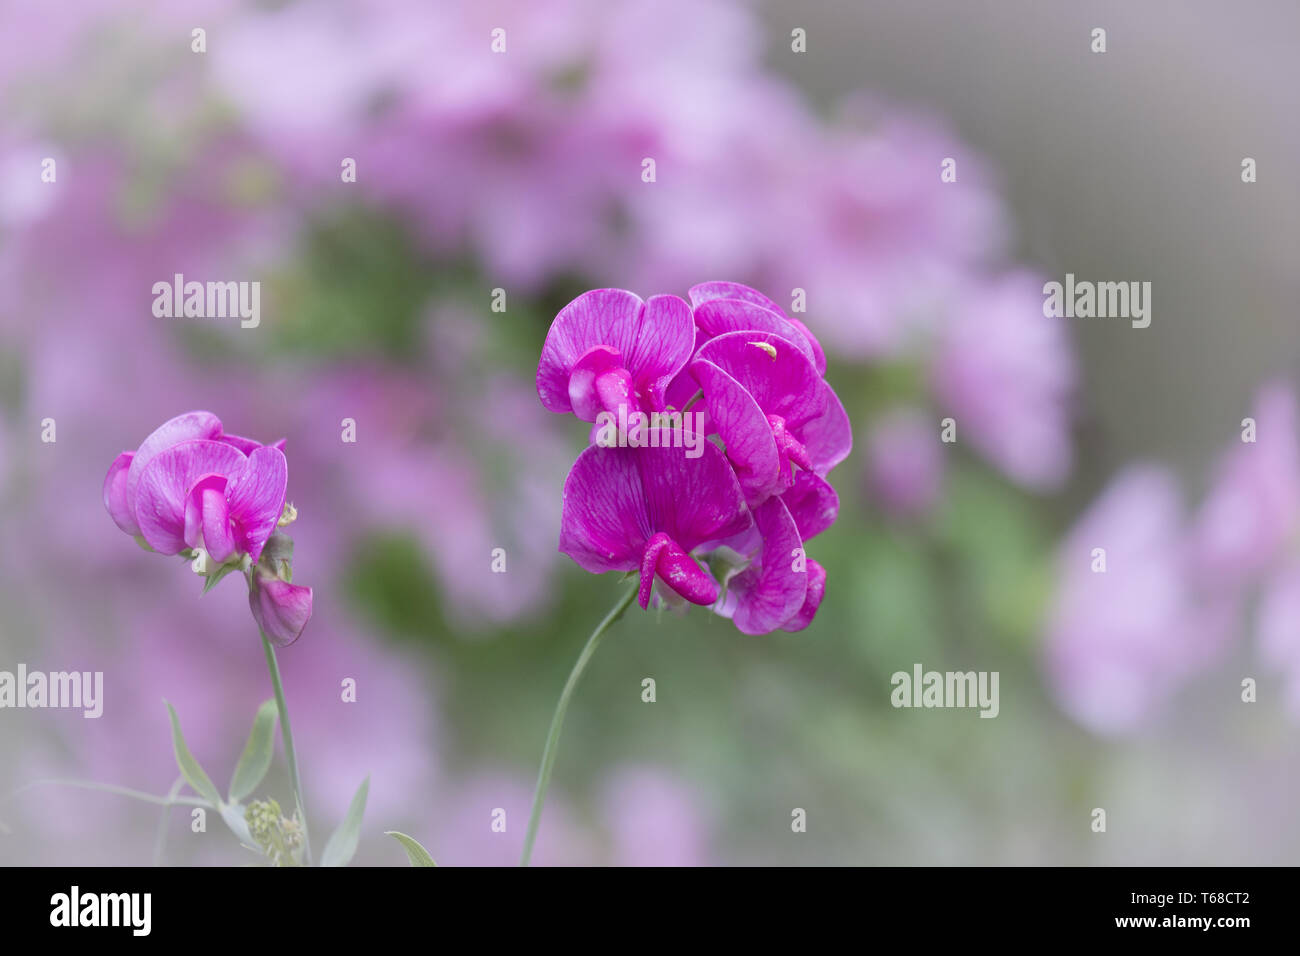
x,y
255,761
342,843
417,854
233,815
189,767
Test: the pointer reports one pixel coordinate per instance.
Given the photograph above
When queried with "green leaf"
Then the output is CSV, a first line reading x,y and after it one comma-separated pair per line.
x,y
417,854
342,843
233,815
212,580
189,767
255,761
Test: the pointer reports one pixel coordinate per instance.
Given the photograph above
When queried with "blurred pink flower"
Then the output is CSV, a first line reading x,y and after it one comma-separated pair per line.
x,y
1006,375
888,251
1278,629
905,462
453,475
653,819
1122,639
1253,508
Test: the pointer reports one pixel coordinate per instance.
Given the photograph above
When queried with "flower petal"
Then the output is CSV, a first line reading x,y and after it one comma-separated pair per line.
x,y
257,498
721,316
660,346
246,445
207,518
165,486
654,338
773,588
677,570
616,499
828,438
737,418
708,291
780,378
191,425
584,390
115,499
604,525
818,353
813,504
816,591
694,500
281,609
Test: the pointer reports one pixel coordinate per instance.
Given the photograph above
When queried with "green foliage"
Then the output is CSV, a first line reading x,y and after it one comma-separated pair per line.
x,y
342,845
255,761
189,767
417,854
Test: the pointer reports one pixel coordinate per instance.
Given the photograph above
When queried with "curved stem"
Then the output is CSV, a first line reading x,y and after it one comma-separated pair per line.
x,y
557,721
287,734
168,801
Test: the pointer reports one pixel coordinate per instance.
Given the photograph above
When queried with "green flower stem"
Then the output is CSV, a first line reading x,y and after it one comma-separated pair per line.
x,y
167,801
289,755
557,721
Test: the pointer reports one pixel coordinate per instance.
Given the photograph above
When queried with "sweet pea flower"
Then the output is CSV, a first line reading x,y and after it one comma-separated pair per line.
x,y
281,608
608,350
654,499
771,409
218,459
190,489
645,508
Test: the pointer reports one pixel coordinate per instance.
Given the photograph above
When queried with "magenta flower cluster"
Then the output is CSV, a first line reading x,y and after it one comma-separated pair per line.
x,y
217,499
707,476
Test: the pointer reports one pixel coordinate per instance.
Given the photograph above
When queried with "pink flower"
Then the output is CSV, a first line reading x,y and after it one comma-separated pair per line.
x,y
192,489
645,509
670,497
607,350
189,486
